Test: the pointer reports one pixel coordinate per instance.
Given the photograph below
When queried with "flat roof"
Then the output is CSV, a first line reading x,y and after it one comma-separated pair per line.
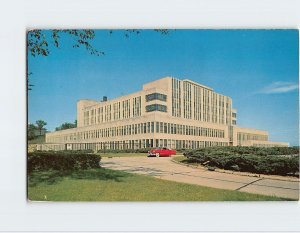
x,y
198,84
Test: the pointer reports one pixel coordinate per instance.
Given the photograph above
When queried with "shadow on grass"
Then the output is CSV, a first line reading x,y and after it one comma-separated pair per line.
x,y
189,161
50,177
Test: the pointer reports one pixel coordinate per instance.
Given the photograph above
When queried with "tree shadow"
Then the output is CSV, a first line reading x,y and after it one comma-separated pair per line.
x,y
51,177
190,161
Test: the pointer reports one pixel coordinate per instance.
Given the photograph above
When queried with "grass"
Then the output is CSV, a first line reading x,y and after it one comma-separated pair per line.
x,y
123,154
110,185
182,159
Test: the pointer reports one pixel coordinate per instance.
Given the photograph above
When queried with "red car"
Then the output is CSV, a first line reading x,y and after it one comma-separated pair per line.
x,y
159,152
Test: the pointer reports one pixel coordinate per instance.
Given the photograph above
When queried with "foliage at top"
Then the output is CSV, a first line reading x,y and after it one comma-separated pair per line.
x,y
38,43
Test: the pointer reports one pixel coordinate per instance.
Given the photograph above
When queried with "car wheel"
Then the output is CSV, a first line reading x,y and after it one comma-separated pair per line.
x,y
157,155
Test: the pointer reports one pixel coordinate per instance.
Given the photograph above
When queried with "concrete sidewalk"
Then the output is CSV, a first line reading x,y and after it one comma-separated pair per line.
x,y
164,168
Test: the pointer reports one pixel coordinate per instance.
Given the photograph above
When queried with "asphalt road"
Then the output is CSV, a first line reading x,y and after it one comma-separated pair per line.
x,y
164,168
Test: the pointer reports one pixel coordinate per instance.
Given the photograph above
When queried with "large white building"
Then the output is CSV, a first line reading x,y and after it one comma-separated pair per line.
x,y
167,112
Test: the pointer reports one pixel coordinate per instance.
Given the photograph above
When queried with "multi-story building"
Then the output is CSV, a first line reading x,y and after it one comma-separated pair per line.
x,y
165,113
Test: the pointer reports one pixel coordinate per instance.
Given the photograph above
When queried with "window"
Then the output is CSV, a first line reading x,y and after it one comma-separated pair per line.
x,y
156,96
165,128
156,107
148,127
137,106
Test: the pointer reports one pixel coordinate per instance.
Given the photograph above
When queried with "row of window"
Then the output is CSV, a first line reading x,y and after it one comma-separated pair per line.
x,y
187,100
141,128
116,111
199,103
268,145
144,143
249,136
176,98
169,128
137,106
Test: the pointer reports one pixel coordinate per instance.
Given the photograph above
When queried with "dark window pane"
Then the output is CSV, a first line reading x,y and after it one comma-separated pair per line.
x,y
156,107
156,96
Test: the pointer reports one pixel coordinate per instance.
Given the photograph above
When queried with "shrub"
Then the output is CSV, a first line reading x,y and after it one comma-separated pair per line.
x,y
182,150
235,167
61,161
248,159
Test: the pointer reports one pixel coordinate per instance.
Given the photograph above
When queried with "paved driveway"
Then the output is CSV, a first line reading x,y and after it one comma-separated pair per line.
x,y
164,168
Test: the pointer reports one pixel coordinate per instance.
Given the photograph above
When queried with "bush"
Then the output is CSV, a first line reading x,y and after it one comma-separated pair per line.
x,y
262,151
235,167
249,159
61,161
182,150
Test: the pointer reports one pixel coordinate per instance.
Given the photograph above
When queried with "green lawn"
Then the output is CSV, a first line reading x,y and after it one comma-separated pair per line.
x,y
122,154
179,158
109,185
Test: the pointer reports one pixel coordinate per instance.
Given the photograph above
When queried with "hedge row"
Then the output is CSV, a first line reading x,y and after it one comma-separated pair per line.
x,y
241,150
266,164
61,161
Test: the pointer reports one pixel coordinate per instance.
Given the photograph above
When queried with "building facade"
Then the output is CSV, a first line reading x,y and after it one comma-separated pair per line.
x,y
166,113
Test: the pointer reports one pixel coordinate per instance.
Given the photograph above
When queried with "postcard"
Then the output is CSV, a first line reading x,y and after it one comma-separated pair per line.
x,y
162,115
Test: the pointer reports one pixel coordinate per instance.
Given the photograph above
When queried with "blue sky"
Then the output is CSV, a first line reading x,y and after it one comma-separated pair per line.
x,y
258,69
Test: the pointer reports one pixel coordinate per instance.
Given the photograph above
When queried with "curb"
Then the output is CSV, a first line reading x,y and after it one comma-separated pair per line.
x,y
291,179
